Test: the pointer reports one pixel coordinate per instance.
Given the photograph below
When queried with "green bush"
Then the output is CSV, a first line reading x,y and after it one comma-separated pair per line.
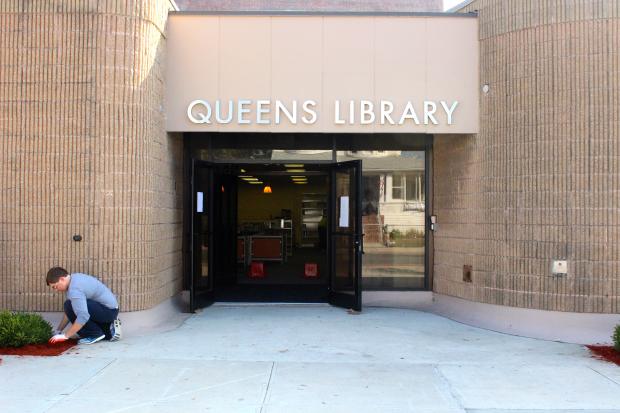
x,y
415,233
410,234
19,329
616,338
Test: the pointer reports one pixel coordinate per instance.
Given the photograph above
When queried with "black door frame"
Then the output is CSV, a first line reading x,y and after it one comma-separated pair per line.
x,y
201,295
339,298
333,297
193,142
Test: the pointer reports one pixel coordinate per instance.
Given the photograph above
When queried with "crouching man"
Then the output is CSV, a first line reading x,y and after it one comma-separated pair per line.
x,y
91,308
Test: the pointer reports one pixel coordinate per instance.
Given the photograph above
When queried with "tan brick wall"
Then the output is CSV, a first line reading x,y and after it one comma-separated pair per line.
x,y
542,179
83,150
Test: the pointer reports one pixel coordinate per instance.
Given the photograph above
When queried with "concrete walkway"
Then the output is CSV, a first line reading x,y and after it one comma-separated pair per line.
x,y
313,358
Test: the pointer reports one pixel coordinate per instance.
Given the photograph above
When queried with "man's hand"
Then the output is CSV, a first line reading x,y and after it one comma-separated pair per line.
x,y
58,338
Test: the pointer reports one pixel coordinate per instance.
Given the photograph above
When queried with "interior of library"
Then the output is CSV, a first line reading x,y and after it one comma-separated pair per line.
x,y
282,221
270,229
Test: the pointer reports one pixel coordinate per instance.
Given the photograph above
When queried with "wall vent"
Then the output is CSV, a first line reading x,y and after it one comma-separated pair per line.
x,y
467,273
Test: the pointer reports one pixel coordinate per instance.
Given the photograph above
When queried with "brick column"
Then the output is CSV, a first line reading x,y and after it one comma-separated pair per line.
x,y
542,179
84,151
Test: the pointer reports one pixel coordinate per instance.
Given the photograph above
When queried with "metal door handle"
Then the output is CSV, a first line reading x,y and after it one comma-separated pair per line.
x,y
359,244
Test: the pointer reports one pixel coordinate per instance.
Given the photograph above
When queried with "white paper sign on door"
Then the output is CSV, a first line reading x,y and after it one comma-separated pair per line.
x,y
199,202
343,222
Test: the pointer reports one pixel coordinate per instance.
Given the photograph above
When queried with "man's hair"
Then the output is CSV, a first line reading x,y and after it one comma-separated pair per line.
x,y
54,274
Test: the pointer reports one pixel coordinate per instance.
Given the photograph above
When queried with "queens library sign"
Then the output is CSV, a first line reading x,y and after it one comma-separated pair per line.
x,y
364,112
322,73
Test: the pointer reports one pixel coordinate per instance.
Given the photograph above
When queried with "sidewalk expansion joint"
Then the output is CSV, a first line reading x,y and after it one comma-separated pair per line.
x,y
608,378
80,385
447,388
267,389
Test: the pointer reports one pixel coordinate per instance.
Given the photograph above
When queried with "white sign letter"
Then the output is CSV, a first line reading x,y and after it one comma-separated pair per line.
x,y
409,113
337,113
242,110
202,118
309,111
218,112
281,108
367,114
450,110
386,109
429,109
351,112
260,110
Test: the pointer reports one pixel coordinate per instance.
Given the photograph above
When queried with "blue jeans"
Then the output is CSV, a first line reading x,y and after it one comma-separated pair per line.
x,y
101,317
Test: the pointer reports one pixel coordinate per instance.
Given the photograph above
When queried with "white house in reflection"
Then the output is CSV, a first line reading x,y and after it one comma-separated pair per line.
x,y
393,193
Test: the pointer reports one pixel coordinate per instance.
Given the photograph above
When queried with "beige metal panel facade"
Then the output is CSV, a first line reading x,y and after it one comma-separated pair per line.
x,y
83,150
313,5
296,64
540,182
325,59
412,73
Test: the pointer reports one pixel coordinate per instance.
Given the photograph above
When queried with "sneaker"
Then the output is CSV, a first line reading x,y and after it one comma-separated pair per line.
x,y
91,340
115,330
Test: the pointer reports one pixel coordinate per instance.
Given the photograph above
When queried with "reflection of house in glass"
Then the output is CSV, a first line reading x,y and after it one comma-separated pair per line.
x,y
393,195
393,201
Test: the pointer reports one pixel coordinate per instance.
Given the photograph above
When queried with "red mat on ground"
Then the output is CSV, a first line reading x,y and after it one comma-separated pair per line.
x,y
257,270
311,270
607,353
38,349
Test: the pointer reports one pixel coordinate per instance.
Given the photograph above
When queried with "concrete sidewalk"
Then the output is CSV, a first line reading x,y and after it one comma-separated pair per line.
x,y
313,358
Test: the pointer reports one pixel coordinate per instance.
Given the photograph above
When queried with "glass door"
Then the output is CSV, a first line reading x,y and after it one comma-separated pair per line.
x,y
345,235
201,243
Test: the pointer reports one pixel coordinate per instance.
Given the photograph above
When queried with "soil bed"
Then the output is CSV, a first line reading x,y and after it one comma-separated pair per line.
x,y
607,353
38,349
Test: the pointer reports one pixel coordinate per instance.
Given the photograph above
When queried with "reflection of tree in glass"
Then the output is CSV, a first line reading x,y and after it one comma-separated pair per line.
x,y
370,200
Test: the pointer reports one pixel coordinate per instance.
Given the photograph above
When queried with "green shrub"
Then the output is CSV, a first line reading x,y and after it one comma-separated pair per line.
x,y
415,233
616,338
19,329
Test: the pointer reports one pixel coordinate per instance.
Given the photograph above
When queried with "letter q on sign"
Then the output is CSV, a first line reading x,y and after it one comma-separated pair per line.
x,y
202,113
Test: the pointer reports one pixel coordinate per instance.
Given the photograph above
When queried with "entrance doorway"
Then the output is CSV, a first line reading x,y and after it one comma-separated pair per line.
x,y
276,232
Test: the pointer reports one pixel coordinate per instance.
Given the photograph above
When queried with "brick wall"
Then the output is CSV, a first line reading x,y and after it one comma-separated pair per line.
x,y
83,150
542,179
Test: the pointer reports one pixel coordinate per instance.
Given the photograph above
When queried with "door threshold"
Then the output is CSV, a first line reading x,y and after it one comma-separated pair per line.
x,y
266,304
